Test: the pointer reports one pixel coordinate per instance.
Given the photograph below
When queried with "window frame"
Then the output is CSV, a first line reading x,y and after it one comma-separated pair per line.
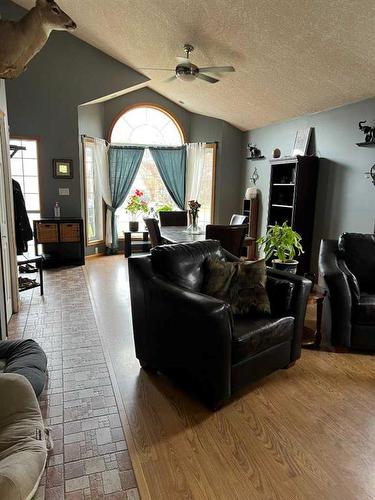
x,y
91,243
213,146
38,140
147,105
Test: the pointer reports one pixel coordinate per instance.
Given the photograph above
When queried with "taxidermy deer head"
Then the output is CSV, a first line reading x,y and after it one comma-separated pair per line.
x,y
21,41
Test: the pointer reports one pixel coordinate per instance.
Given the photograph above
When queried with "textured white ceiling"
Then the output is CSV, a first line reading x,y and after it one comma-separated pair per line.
x,y
291,56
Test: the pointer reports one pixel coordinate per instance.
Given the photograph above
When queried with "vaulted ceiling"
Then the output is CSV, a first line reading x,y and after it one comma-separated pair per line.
x,y
291,56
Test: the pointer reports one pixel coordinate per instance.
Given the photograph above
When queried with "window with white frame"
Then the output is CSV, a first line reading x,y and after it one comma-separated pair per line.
x,y
93,200
25,170
207,190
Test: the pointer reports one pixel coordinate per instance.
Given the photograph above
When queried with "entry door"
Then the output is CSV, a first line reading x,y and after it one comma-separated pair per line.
x,y
4,239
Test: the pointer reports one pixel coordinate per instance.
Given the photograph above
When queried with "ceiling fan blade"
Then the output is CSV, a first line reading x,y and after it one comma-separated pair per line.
x,y
218,69
157,69
170,79
207,78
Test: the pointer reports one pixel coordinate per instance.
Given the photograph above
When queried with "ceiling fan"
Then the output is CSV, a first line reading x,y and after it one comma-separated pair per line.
x,y
187,71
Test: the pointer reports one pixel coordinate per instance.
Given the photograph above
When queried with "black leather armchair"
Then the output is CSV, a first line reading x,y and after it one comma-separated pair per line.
x,y
195,338
347,271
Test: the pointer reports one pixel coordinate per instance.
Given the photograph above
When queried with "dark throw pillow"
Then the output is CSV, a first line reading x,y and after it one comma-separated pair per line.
x,y
240,284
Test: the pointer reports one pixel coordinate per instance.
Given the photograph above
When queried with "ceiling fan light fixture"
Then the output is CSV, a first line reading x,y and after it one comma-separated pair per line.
x,y
187,73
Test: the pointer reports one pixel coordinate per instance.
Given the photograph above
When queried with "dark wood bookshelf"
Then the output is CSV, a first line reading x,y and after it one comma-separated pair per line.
x,y
292,199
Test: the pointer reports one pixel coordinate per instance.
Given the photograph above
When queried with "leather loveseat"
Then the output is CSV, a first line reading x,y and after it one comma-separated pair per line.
x,y
347,269
194,338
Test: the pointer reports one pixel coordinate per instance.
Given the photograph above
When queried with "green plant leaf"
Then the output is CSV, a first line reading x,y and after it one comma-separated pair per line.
x,y
281,242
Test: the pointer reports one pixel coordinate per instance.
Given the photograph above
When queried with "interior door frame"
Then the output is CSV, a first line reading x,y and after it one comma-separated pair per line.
x,y
3,322
5,151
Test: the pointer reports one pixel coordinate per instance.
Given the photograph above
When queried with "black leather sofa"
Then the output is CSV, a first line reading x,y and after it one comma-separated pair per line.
x,y
194,338
347,271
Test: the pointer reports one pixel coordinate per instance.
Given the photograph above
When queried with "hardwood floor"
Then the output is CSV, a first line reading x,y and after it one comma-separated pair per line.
x,y
303,433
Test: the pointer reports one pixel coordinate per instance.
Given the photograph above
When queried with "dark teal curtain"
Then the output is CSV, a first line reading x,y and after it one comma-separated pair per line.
x,y
124,162
171,163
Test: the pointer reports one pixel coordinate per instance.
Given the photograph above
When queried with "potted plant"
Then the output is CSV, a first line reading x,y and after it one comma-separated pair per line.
x,y
135,206
164,208
284,244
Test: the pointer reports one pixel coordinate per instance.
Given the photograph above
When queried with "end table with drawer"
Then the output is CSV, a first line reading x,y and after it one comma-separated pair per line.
x,y
62,241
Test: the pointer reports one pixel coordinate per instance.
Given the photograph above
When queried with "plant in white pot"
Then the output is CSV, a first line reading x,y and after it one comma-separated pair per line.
x,y
284,244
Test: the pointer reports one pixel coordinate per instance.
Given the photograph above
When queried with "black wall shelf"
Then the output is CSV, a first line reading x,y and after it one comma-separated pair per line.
x,y
366,144
256,159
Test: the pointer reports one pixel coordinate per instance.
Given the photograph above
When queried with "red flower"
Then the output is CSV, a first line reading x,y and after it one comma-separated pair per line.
x,y
138,193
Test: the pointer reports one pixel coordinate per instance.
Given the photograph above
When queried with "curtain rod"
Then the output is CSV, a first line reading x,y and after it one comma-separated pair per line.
x,y
146,145
84,136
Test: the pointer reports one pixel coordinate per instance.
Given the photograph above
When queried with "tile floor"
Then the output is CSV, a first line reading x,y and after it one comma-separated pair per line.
x,y
90,460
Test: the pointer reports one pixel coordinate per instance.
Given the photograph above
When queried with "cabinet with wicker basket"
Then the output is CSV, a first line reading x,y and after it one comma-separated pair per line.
x,y
60,240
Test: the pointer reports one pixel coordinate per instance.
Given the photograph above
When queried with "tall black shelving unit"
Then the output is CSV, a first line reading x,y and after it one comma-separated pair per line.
x,y
292,198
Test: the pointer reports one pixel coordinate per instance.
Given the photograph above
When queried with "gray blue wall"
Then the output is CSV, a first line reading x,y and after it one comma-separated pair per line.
x,y
91,120
345,198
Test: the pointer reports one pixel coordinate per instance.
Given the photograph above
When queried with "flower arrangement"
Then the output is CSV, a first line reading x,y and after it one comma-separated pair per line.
x,y
136,204
194,207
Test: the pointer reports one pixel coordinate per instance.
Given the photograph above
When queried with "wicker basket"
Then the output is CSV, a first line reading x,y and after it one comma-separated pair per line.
x,y
70,232
47,233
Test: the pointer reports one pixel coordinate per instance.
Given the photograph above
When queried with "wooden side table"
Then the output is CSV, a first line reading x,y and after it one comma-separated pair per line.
x,y
314,338
130,244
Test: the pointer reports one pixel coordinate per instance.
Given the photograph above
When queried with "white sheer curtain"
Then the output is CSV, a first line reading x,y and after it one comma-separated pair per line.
x,y
101,166
195,154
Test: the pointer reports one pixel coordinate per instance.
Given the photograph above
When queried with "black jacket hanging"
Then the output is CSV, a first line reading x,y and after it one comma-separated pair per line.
x,y
22,225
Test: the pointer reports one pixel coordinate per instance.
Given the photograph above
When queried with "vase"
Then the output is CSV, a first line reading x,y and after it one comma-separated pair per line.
x,y
133,226
251,193
194,227
289,266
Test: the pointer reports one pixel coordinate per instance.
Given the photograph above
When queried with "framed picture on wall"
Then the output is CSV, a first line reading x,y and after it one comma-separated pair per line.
x,y
301,142
63,169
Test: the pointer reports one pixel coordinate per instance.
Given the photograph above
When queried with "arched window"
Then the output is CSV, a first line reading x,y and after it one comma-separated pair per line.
x,y
146,125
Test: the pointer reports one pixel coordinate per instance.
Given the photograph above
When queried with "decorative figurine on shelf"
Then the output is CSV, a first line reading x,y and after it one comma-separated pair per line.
x,y
276,153
254,152
367,130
